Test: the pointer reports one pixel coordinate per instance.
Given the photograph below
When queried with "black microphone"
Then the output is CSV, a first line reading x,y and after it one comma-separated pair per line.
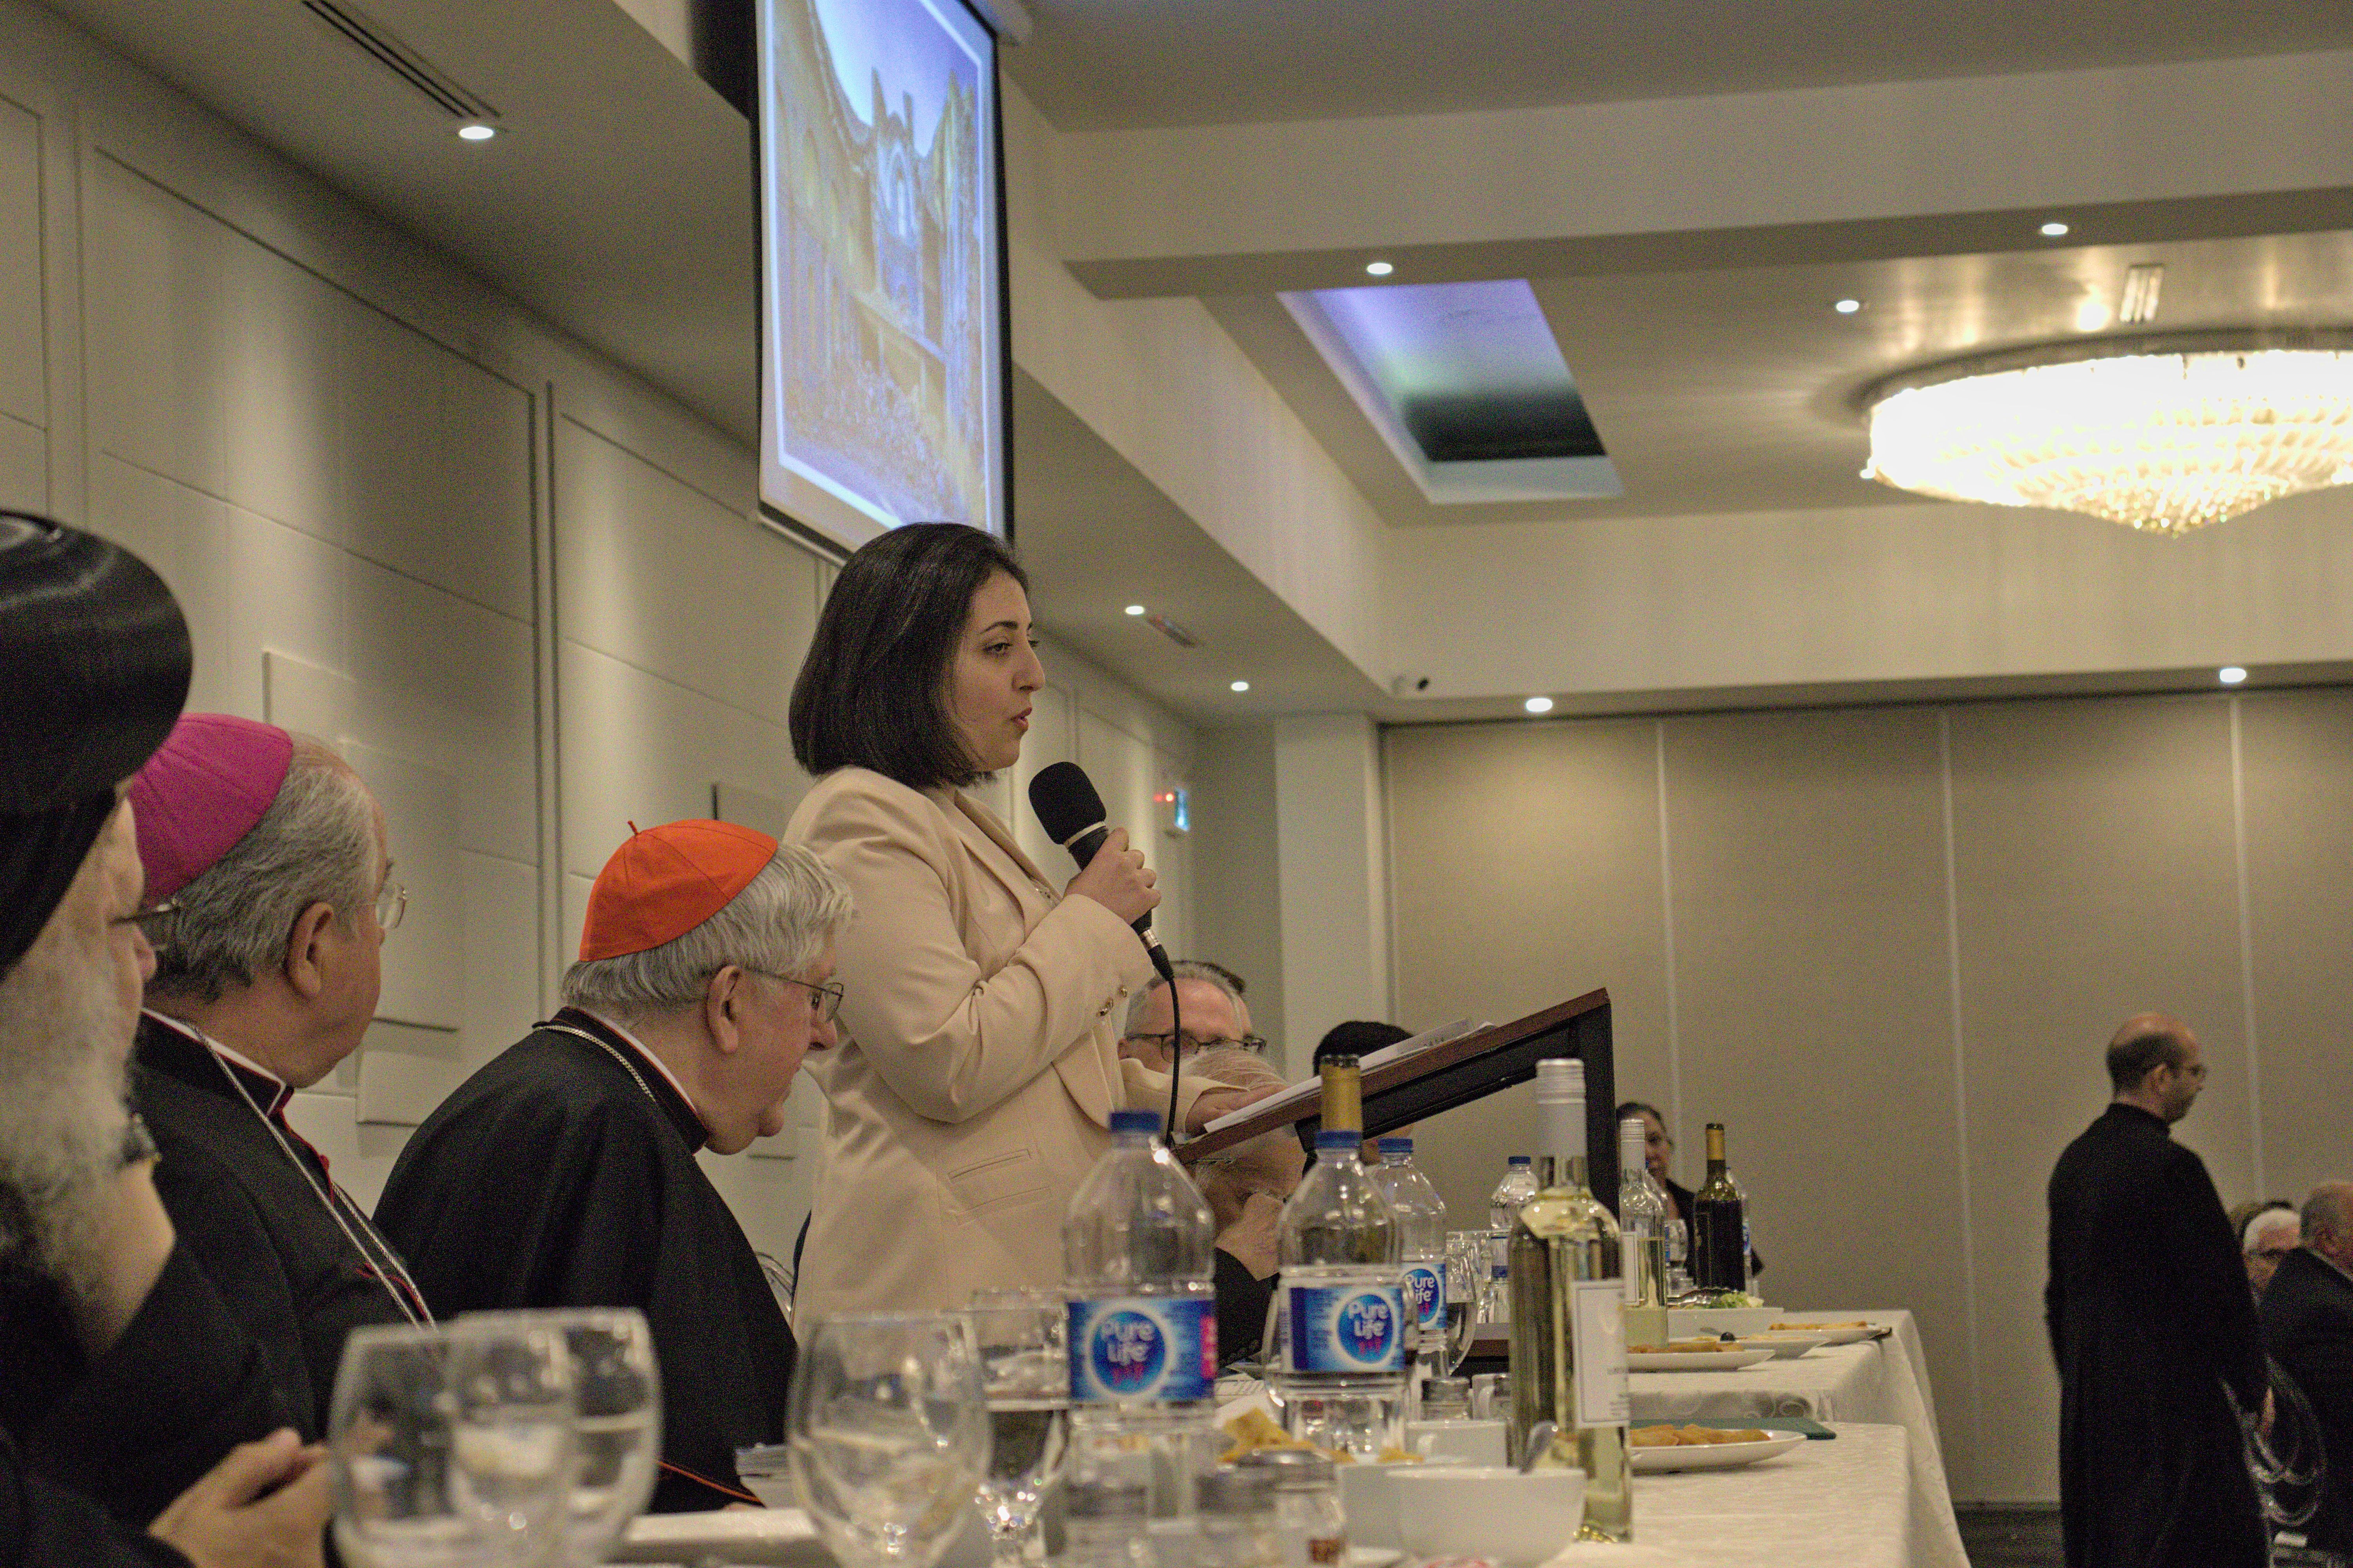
x,y
1072,815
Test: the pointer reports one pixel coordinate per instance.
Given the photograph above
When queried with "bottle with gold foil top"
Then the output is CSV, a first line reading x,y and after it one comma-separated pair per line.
x,y
1568,1329
1338,1359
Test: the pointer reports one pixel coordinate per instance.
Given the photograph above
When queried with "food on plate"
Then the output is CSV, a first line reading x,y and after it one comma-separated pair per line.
x,y
1850,1323
1724,1298
1254,1429
1693,1436
1689,1347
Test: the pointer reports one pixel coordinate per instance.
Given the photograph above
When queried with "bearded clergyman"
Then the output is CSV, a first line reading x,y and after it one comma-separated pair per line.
x,y
125,1382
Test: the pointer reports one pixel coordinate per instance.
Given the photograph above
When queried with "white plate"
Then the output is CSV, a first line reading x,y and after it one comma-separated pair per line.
x,y
1711,1455
769,1535
1838,1336
1694,1361
1787,1343
1373,1556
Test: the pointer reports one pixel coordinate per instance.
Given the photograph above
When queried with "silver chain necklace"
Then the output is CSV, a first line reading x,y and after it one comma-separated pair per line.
x,y
627,1065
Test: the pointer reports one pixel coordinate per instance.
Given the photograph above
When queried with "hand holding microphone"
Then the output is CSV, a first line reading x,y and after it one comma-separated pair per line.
x,y
1118,879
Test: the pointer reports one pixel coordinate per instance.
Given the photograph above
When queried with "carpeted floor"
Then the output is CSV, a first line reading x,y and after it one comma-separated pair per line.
x,y
2010,1537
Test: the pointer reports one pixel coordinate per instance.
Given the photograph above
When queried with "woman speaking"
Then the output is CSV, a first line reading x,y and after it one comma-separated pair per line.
x,y
980,1063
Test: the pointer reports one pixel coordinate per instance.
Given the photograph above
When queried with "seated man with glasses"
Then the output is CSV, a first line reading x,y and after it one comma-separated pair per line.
x,y
564,1173
1215,1015
269,895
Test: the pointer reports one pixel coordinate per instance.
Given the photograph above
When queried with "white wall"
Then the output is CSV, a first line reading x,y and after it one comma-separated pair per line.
x,y
526,592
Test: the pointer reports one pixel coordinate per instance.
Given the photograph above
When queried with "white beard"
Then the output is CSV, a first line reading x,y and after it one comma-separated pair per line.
x,y
63,1053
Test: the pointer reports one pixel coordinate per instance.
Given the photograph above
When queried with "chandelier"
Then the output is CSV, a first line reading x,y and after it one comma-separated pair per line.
x,y
2163,434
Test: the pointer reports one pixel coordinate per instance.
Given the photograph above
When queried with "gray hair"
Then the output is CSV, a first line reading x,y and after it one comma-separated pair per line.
x,y
777,925
2327,1208
1185,969
315,845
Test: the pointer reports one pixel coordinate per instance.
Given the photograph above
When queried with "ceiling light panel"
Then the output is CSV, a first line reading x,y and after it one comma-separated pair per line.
x,y
1467,386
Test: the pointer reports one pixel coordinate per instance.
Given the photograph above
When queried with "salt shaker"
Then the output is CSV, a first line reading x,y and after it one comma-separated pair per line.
x,y
1237,1519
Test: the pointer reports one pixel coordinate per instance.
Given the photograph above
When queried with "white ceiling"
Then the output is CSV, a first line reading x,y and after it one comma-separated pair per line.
x,y
1099,64
619,208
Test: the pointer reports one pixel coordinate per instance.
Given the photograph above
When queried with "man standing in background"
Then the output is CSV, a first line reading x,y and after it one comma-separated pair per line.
x,y
2153,1329
2307,1326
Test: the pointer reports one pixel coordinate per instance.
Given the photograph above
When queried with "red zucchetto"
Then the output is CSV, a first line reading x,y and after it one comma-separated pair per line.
x,y
667,881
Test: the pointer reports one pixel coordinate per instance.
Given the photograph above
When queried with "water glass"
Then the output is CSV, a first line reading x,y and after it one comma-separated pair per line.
x,y
617,1444
1023,1337
1468,1289
451,1445
888,1427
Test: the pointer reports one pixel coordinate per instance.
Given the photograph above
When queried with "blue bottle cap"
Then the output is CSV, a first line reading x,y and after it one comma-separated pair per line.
x,y
1394,1144
1329,1138
1135,1121
1521,1160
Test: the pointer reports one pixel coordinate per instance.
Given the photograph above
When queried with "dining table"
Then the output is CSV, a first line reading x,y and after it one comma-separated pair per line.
x,y
1882,1381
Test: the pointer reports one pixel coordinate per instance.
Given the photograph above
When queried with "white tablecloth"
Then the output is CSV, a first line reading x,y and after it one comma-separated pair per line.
x,y
1848,1502
1883,1381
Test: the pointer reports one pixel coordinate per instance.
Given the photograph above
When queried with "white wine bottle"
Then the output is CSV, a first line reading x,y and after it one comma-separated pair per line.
x,y
1569,1328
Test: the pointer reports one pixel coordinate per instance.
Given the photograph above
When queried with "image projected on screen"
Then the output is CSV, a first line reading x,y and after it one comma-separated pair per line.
x,y
884,402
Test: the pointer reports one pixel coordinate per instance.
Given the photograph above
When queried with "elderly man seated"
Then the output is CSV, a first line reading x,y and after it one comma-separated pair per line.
x,y
2268,1232
271,857
564,1173
2307,1317
1214,1015
124,1380
1246,1186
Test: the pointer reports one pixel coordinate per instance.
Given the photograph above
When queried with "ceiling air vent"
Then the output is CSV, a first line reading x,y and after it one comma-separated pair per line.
x,y
370,38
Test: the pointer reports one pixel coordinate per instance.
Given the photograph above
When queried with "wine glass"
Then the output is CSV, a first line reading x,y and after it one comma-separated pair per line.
x,y
449,1445
617,1439
1467,1289
889,1431
1023,1337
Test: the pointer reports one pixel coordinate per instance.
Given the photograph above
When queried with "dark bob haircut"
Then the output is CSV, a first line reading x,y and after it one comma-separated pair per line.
x,y
874,691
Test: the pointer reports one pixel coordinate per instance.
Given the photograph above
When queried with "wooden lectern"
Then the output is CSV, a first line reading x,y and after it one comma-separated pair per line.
x,y
1399,1094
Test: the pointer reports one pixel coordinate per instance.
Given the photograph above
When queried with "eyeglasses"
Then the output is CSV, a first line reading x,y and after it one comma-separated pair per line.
x,y
1195,1042
825,1001
158,924
2271,1254
391,904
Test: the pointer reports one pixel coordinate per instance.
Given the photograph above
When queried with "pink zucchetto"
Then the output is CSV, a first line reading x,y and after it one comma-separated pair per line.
x,y
203,792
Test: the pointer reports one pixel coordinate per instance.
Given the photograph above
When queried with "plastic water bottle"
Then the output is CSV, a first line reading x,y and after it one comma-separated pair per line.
x,y
1421,1229
1139,1255
1518,1185
1341,1370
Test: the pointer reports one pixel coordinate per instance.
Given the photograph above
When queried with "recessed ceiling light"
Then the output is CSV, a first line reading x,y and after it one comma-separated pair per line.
x,y
477,132
1380,268
1538,705
1847,307
2054,229
2231,674
1135,609
1237,686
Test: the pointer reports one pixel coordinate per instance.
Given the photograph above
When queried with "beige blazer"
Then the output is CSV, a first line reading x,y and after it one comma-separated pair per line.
x,y
979,1064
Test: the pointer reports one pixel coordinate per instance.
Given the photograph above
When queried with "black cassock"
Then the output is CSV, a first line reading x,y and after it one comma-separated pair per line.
x,y
2307,1326
562,1174
256,1213
132,1428
2149,1318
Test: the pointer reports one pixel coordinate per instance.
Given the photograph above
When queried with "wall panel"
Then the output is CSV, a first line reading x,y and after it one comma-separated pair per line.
x,y
1525,870
2299,842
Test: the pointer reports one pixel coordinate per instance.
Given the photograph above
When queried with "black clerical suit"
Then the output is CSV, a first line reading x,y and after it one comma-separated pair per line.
x,y
2308,1328
255,1213
562,1174
138,1426
1243,1299
2149,1318
43,1525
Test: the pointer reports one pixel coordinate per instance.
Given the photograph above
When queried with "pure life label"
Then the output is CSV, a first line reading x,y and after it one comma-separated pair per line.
x,y
1346,1328
1425,1292
1144,1349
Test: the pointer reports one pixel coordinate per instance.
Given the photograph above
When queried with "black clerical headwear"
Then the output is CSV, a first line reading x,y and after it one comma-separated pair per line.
x,y
94,665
